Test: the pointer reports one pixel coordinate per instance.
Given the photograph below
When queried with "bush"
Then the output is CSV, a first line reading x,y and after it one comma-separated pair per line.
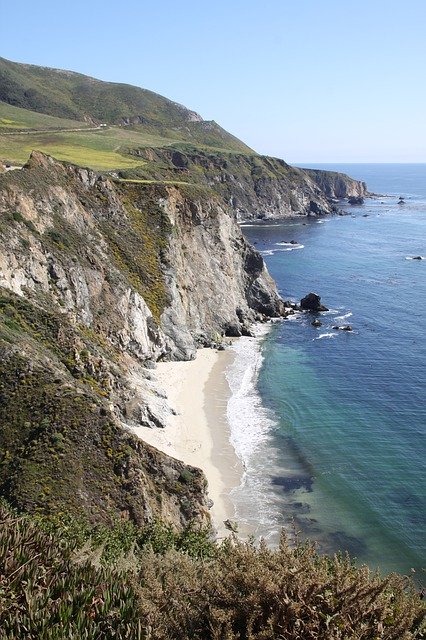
x,y
250,592
62,580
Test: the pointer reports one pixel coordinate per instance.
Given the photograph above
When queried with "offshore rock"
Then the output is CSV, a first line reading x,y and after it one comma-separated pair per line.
x,y
356,200
312,302
346,327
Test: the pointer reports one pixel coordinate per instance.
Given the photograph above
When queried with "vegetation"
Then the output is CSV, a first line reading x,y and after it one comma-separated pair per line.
x,y
13,119
42,101
100,149
61,449
62,580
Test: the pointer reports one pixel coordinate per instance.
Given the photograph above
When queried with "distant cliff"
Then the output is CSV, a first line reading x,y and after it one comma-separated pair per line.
x,y
254,186
98,280
337,185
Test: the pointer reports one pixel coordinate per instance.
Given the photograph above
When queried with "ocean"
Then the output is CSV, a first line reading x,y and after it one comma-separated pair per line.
x,y
330,425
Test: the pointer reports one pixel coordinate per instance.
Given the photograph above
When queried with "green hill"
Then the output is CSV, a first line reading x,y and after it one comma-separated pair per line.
x,y
74,96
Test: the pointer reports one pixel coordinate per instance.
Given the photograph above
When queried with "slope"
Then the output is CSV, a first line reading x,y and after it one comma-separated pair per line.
x,y
66,94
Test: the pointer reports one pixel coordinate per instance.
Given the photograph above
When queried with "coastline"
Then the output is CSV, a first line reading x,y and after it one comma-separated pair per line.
x,y
199,432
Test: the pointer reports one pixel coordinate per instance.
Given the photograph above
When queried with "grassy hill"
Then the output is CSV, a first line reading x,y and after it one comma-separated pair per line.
x,y
43,99
22,131
15,119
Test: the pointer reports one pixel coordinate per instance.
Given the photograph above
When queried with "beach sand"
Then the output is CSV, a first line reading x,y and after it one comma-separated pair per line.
x,y
199,434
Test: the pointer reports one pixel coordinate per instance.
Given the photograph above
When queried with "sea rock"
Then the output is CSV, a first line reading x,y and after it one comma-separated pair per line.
x,y
312,302
346,327
316,323
356,200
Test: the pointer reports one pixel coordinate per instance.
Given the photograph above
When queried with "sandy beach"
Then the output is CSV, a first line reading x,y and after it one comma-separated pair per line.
x,y
199,432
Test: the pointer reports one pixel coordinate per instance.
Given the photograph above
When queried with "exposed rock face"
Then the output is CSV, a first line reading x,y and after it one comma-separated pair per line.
x,y
312,302
356,200
337,185
218,282
256,187
98,280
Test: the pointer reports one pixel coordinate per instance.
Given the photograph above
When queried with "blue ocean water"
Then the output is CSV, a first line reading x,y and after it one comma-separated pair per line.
x,y
339,417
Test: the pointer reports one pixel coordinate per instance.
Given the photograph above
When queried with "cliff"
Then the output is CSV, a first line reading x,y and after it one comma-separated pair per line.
x,y
98,280
337,185
255,187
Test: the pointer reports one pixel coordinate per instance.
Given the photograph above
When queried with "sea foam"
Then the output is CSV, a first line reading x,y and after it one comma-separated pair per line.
x,y
251,425
249,421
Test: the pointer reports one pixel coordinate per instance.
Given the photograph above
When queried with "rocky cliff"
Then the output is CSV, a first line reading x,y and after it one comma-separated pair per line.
x,y
98,280
255,187
337,185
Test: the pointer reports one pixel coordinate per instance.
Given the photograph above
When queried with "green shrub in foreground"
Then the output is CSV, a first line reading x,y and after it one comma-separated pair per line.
x,y
74,582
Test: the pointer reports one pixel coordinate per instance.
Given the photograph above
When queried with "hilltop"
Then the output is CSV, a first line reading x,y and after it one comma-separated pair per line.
x,y
138,135
76,97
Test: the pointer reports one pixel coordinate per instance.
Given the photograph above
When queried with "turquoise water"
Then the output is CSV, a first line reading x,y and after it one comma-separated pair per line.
x,y
342,456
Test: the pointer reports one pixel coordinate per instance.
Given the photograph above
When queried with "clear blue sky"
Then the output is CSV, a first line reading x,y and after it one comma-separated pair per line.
x,y
306,80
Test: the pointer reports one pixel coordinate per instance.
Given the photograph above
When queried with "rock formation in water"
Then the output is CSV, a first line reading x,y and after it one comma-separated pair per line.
x,y
312,302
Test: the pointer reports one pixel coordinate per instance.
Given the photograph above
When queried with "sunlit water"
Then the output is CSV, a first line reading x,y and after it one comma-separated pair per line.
x,y
330,425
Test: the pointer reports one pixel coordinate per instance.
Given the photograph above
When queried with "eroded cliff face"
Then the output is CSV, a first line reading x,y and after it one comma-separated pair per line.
x,y
337,185
98,280
254,186
218,283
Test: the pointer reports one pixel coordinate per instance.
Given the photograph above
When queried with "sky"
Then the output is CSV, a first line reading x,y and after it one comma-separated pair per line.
x,y
304,80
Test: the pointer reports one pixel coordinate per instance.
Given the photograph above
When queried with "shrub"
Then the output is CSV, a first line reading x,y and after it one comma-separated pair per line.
x,y
62,580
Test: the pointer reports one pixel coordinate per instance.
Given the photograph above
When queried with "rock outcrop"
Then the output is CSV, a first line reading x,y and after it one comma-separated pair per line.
x,y
337,185
356,200
255,187
98,280
217,282
312,302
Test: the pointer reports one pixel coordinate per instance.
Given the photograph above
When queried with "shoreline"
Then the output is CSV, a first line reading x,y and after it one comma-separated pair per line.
x,y
199,432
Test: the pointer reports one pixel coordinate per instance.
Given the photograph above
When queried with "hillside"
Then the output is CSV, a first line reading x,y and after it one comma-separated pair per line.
x,y
70,95
103,274
142,136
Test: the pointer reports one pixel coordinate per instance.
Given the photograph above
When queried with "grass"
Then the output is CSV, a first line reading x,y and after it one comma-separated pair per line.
x,y
77,97
101,150
14,118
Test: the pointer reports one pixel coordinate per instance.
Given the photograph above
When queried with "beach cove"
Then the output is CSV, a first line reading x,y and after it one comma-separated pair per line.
x,y
198,433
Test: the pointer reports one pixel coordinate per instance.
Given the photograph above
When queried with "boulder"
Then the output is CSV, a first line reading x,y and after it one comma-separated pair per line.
x,y
356,200
312,302
346,327
232,330
231,525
